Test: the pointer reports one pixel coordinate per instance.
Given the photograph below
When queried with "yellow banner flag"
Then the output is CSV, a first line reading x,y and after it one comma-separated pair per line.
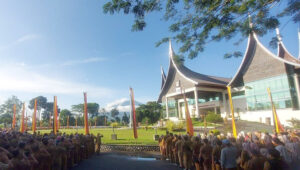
x,y
277,125
189,123
232,112
22,127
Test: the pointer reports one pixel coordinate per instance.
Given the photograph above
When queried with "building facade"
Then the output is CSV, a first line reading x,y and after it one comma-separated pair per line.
x,y
260,69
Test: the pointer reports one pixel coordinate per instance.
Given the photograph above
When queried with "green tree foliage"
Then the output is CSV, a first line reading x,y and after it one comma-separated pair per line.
x,y
114,113
151,110
125,118
63,116
6,110
48,111
214,118
41,103
92,109
194,23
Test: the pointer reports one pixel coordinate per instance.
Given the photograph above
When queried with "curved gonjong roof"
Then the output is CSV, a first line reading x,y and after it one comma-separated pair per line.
x,y
283,52
163,77
252,42
195,78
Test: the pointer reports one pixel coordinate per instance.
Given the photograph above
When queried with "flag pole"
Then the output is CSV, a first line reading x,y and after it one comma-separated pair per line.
x,y
55,115
189,124
34,117
86,122
232,112
14,117
135,134
276,121
22,119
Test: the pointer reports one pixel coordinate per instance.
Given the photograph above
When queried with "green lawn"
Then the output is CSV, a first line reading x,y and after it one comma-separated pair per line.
x,y
125,136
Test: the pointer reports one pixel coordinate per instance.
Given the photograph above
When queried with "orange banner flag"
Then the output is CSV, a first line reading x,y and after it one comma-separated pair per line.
x,y
22,127
55,115
14,116
189,124
86,121
135,134
34,116
277,125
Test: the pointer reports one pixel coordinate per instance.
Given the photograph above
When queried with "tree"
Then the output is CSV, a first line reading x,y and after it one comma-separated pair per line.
x,y
114,112
196,23
63,117
125,118
48,111
92,109
151,110
41,103
6,110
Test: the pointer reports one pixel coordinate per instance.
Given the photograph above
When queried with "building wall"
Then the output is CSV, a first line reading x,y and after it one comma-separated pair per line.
x,y
263,66
283,114
183,83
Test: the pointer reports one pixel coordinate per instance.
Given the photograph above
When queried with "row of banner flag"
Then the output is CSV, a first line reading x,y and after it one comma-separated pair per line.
x,y
189,125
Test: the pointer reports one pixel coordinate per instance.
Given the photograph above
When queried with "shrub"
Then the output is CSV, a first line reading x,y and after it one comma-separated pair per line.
x,y
295,122
214,118
215,132
172,126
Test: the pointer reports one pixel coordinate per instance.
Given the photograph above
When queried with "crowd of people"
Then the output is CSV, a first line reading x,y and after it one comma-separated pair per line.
x,y
250,151
24,151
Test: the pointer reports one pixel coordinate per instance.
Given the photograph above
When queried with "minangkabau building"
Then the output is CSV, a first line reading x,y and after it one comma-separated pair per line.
x,y
259,69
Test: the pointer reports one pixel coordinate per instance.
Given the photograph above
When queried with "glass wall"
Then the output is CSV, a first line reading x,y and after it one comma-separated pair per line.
x,y
172,106
257,95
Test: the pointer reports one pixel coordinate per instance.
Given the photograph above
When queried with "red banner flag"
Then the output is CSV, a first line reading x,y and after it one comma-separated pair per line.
x,y
55,115
34,117
14,116
86,121
22,127
189,124
133,114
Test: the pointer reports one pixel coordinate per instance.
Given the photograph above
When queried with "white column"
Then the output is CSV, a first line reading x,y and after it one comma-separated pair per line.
x,y
179,110
196,103
224,103
167,108
296,80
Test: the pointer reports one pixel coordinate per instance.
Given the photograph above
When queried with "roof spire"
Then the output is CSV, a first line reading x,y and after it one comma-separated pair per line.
x,y
278,35
250,21
299,43
170,49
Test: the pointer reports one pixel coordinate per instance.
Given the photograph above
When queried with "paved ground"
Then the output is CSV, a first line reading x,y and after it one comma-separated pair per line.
x,y
122,161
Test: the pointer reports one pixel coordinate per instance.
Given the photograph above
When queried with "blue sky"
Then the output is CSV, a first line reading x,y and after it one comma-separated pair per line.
x,y
66,47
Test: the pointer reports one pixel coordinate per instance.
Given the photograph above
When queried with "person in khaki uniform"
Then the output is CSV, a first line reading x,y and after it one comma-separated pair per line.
x,y
98,143
187,152
178,148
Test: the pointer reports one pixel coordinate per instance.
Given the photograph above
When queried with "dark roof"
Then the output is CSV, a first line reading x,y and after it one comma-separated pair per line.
x,y
203,79
282,56
196,78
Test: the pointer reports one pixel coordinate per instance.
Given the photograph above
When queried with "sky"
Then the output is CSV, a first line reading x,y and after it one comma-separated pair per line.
x,y
63,48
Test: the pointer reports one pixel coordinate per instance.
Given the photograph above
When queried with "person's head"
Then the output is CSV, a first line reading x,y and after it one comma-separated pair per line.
x,y
219,142
15,153
273,154
276,142
205,141
226,142
21,145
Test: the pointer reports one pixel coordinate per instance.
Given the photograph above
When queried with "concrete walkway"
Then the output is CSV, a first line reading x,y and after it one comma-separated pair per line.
x,y
123,161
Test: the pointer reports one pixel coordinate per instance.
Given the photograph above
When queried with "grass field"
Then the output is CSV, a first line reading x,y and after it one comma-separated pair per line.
x,y
125,136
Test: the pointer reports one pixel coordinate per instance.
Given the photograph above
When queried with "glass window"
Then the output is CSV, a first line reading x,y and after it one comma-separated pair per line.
x,y
257,96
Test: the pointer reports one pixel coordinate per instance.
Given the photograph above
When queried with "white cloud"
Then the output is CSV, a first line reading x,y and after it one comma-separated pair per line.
x,y
83,61
27,37
19,79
